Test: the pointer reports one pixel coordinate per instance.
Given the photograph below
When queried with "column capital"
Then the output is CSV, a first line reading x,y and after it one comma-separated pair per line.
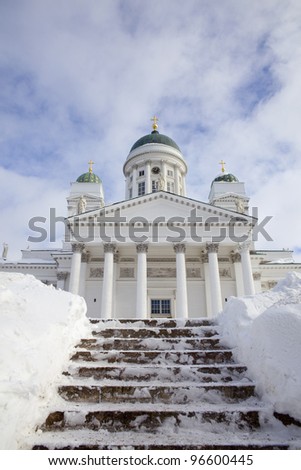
x,y
243,247
179,248
109,247
142,248
257,276
212,247
85,257
205,258
78,247
61,275
235,257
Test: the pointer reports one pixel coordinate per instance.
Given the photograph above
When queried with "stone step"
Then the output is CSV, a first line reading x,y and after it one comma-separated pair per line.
x,y
134,393
188,440
153,322
149,419
155,357
221,373
142,333
150,343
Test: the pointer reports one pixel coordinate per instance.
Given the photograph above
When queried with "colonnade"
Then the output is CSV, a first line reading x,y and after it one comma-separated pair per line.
x,y
242,268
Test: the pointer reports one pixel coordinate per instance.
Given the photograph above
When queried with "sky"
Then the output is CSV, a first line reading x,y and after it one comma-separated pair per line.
x,y
81,79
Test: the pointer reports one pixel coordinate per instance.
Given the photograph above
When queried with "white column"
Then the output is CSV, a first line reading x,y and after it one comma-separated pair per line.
x,y
236,260
181,300
141,292
61,278
246,268
184,185
134,182
127,186
148,183
215,283
116,261
77,249
83,274
177,174
207,284
107,283
164,175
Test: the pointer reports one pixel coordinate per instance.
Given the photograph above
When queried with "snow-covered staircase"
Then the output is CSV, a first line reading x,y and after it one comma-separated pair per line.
x,y
156,384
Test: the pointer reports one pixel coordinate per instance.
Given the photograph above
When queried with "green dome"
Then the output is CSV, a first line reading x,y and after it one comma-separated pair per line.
x,y
155,138
88,177
227,178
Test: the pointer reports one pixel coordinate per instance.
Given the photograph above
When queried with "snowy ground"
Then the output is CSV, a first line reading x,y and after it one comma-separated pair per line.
x,y
38,328
40,325
265,332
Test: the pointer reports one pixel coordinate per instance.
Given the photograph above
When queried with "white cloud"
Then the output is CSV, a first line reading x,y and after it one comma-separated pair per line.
x,y
81,80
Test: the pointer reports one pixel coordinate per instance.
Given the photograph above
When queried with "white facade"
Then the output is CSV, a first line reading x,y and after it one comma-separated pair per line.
x,y
157,253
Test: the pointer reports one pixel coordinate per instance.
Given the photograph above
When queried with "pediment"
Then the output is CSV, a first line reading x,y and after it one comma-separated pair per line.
x,y
167,206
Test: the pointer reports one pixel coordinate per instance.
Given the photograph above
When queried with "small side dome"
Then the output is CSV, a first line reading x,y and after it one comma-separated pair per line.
x,y
226,177
155,138
88,178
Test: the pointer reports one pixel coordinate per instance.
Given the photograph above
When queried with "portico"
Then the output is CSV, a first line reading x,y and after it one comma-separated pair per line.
x,y
141,280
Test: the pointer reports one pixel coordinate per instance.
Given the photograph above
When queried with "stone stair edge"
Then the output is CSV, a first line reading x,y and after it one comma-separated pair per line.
x,y
155,384
84,439
184,367
86,407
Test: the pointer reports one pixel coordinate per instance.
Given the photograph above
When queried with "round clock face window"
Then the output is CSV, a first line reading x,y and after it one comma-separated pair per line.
x,y
156,170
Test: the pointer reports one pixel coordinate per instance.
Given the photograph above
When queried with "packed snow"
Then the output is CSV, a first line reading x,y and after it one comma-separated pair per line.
x,y
39,326
265,332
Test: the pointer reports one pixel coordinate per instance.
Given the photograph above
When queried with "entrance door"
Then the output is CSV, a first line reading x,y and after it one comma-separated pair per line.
x,y
160,308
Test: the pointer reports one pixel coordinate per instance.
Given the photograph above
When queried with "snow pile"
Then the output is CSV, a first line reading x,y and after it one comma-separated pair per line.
x,y
265,332
38,327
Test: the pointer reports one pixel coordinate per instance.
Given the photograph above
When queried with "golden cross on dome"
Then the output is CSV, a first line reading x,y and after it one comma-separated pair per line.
x,y
90,166
223,165
155,125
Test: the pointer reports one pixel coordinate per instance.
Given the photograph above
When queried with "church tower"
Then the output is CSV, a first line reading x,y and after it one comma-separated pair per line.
x,y
86,193
228,192
155,163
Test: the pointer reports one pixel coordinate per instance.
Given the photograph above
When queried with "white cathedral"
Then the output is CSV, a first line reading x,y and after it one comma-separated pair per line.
x,y
157,253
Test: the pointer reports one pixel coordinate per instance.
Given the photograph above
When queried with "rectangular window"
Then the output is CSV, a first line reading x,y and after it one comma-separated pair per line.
x,y
130,193
170,187
141,172
154,186
169,173
141,188
160,307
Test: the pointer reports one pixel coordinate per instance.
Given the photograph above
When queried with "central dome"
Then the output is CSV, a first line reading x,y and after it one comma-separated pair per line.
x,y
155,138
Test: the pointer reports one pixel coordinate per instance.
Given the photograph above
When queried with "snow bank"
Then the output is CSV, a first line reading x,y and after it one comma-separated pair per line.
x,y
38,327
265,332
